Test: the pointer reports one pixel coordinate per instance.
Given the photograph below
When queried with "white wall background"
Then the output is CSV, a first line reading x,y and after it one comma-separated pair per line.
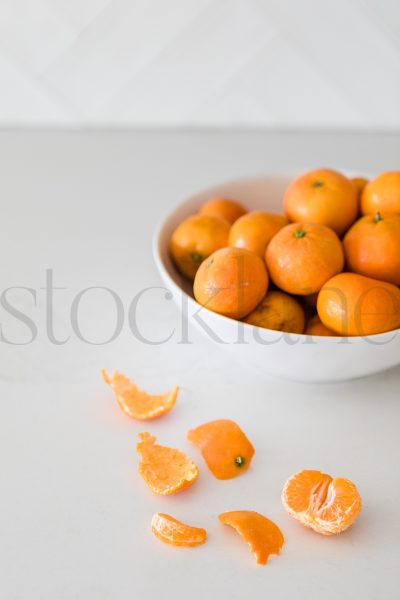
x,y
279,63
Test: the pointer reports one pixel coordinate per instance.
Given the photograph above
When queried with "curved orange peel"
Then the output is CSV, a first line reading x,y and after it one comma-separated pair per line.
x,y
325,504
165,470
169,530
135,403
224,447
264,538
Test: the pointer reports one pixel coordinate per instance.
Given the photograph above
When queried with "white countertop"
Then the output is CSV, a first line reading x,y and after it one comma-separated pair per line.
x,y
75,516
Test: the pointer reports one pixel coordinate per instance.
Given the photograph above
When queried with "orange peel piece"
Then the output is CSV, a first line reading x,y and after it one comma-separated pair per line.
x,y
263,536
165,470
135,403
225,448
174,532
325,504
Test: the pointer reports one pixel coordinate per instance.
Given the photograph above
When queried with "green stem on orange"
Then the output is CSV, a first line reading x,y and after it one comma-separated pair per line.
x,y
299,233
378,217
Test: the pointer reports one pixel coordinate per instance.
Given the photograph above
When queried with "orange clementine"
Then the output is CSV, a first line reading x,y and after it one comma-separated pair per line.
x,y
232,281
303,256
372,247
254,231
316,327
230,210
195,239
382,194
264,538
169,530
278,311
165,470
224,447
322,196
327,505
360,183
138,404
353,304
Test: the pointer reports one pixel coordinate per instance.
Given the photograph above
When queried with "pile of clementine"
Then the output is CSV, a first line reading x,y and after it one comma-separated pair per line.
x,y
328,266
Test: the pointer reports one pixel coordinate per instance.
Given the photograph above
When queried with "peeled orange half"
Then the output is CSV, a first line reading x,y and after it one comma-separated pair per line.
x,y
264,538
224,447
165,470
169,530
135,403
327,505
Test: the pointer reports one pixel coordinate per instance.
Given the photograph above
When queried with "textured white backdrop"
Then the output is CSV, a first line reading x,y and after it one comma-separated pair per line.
x,y
281,63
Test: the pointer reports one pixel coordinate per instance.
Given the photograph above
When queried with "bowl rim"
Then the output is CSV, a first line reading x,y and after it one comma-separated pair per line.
x,y
156,251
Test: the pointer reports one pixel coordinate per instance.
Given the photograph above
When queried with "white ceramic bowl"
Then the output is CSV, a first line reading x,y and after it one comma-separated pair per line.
x,y
290,356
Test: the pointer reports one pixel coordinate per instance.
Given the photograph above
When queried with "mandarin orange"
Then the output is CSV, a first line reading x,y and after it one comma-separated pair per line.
x,y
232,281
230,210
255,230
303,256
327,505
195,239
325,197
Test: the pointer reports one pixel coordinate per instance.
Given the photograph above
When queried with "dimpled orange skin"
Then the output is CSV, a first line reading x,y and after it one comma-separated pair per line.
x,y
278,311
255,230
195,239
325,504
316,327
263,536
225,448
382,194
165,470
230,210
174,532
372,247
303,256
231,282
325,197
354,305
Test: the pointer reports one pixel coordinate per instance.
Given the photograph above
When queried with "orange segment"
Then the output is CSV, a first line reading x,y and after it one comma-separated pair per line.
x,y
327,505
264,538
224,447
173,532
165,470
138,404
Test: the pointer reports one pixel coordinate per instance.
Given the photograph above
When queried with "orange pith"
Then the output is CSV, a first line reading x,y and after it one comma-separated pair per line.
x,y
135,403
174,532
264,538
165,470
327,505
224,447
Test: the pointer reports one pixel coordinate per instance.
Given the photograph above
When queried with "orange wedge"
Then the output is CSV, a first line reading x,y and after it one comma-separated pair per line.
x,y
173,532
165,470
135,403
264,538
327,505
224,447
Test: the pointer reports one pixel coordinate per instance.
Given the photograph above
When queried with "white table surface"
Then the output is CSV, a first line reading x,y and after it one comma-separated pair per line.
x,y
75,516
